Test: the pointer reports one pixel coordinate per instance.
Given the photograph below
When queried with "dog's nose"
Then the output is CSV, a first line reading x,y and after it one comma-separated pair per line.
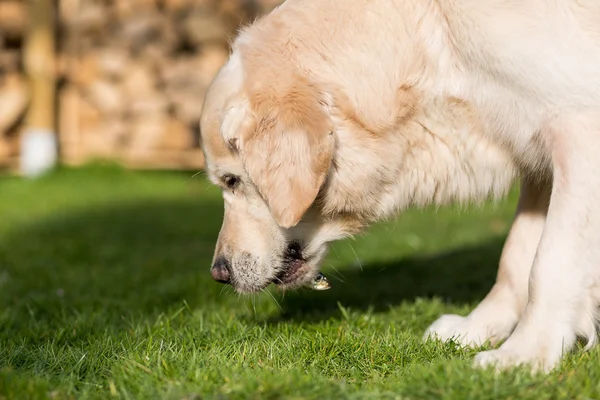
x,y
220,270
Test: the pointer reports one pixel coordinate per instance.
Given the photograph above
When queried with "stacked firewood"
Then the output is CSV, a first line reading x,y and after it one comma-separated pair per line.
x,y
135,72
13,85
131,76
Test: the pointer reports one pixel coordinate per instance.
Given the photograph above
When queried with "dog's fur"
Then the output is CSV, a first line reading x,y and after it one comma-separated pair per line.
x,y
333,114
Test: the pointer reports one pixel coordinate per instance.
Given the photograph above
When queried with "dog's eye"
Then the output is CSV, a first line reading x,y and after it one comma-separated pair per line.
x,y
231,181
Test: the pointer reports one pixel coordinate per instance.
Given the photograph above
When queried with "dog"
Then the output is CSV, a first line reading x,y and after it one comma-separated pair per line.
x,y
330,115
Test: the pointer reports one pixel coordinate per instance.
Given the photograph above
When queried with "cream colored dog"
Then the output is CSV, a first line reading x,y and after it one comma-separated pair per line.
x,y
332,114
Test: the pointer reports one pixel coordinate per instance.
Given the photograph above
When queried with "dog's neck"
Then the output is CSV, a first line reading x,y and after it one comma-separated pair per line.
x,y
423,143
437,154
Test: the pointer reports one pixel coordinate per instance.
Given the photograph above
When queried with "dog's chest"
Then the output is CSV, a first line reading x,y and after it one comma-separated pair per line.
x,y
513,122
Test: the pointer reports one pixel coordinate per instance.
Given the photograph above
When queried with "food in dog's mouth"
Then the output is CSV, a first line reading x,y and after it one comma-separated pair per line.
x,y
291,272
320,282
295,266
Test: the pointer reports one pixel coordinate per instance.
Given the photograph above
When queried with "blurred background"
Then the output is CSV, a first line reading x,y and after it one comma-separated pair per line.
x,y
118,80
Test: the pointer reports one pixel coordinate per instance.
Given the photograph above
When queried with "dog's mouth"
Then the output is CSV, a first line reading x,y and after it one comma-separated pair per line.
x,y
295,265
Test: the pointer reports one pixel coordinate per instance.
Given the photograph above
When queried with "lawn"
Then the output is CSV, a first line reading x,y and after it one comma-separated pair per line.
x,y
105,292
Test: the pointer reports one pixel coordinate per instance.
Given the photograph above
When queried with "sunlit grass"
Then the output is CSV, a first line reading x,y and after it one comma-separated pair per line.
x,y
105,292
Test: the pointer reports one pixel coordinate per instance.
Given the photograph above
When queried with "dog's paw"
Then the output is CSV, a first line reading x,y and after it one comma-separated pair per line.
x,y
462,330
535,357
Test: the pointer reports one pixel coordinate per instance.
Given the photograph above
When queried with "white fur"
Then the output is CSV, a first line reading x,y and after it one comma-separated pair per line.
x,y
495,89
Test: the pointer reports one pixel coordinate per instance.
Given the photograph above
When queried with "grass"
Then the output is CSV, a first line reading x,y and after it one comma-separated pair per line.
x,y
105,293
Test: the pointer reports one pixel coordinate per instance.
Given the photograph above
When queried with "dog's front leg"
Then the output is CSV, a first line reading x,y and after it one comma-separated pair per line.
x,y
496,316
563,283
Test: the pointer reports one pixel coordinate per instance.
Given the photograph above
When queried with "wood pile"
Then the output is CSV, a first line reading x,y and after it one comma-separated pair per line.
x,y
132,76
135,73
13,85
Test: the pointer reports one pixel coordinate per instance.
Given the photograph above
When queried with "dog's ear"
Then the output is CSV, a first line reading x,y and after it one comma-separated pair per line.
x,y
289,149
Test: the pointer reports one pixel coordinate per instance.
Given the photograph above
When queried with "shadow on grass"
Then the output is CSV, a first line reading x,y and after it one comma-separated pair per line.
x,y
141,258
462,276
132,259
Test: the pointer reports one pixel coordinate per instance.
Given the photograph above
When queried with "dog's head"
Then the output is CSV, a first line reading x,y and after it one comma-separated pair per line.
x,y
269,144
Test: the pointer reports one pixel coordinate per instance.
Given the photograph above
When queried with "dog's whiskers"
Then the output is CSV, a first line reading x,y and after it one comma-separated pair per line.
x,y
265,290
277,279
335,251
196,174
253,296
223,288
356,255
338,273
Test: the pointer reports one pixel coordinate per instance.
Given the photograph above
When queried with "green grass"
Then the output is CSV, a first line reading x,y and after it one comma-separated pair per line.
x,y
105,292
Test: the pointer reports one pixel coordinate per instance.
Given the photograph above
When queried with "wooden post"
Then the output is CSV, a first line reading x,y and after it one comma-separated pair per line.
x,y
38,142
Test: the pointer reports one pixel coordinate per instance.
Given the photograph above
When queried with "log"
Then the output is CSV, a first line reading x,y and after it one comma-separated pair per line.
x,y
106,96
13,18
13,100
112,62
38,142
201,27
9,60
177,136
5,149
39,61
139,81
105,140
68,121
136,73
